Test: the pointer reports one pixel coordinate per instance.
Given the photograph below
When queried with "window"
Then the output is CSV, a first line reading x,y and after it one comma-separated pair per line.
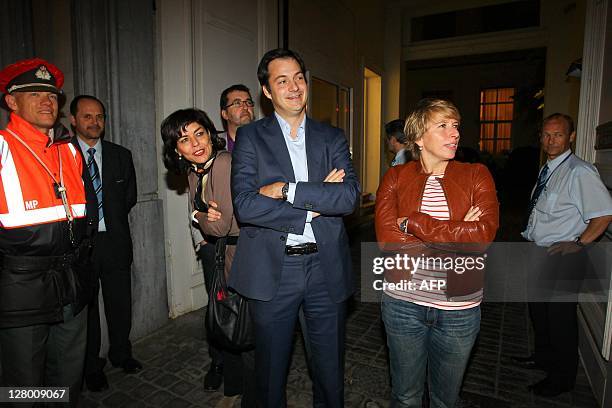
x,y
496,111
331,104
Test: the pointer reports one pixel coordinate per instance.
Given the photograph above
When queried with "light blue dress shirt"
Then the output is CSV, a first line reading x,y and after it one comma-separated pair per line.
x,y
574,194
98,158
400,158
299,161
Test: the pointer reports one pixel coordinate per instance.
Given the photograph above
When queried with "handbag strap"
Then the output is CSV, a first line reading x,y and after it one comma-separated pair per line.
x,y
220,261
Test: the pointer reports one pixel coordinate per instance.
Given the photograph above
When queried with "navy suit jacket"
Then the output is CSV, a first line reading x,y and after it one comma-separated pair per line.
x,y
261,157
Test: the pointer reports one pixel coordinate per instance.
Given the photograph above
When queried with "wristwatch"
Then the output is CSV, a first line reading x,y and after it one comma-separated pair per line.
x,y
285,191
579,242
403,225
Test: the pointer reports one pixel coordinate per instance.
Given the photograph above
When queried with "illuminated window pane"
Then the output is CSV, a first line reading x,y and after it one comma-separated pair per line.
x,y
487,145
496,113
490,95
490,112
503,144
504,111
503,130
505,95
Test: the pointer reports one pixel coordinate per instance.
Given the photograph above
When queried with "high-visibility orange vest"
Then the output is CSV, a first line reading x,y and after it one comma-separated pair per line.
x,y
27,195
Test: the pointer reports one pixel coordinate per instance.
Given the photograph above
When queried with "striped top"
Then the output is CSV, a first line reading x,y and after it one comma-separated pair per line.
x,y
421,293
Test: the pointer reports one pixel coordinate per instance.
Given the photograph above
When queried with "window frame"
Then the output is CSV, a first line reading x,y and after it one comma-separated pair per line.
x,y
496,122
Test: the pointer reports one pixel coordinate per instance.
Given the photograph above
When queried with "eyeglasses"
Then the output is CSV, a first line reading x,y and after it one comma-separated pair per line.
x,y
238,103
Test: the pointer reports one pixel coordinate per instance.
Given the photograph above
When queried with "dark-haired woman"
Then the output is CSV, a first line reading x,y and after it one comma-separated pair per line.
x,y
191,146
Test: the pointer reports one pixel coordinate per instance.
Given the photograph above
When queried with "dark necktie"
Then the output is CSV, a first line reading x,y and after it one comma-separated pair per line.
x,y
539,188
94,172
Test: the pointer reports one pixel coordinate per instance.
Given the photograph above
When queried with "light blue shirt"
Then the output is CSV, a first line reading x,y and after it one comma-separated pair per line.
x,y
574,194
98,158
400,158
299,161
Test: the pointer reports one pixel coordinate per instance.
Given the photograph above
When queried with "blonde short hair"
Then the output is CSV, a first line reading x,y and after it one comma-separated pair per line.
x,y
418,120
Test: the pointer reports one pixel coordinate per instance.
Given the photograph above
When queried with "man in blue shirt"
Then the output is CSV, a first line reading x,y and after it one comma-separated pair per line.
x,y
396,141
292,181
570,207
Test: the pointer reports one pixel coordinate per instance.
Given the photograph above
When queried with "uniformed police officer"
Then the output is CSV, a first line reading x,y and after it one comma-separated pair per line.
x,y
42,224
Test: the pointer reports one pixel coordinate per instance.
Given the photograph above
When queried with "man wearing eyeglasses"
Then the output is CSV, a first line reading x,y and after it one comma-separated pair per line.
x,y
236,110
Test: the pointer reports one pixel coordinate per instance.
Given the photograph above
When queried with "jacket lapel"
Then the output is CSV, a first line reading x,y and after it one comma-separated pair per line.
x,y
315,142
276,144
107,169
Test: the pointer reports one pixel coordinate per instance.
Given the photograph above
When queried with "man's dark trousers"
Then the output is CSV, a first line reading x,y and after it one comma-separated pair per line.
x,y
554,315
302,283
112,258
45,355
115,281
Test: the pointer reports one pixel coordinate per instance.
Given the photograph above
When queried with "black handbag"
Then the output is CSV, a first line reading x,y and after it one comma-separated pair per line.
x,y
228,319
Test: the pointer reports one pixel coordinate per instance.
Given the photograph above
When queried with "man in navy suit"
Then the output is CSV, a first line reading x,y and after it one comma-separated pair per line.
x,y
292,181
111,170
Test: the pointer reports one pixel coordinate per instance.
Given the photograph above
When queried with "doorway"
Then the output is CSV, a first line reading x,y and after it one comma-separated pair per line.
x,y
372,113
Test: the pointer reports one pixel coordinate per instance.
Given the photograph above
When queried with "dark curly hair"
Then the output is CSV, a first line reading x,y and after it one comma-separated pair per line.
x,y
172,130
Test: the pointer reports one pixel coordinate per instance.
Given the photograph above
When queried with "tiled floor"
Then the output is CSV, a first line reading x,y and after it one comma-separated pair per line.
x,y
176,359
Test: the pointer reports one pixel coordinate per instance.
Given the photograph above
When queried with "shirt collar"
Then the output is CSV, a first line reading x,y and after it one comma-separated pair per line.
x,y
85,147
286,128
399,154
554,163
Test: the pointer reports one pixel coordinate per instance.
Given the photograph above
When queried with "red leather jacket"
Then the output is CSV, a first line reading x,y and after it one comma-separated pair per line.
x,y
464,184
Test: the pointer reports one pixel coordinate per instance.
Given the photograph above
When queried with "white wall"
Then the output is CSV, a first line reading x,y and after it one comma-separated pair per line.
x,y
204,47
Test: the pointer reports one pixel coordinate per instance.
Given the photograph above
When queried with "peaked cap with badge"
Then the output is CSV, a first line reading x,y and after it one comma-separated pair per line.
x,y
34,74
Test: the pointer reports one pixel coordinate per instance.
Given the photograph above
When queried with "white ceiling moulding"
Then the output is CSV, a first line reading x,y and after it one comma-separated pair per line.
x,y
476,44
418,8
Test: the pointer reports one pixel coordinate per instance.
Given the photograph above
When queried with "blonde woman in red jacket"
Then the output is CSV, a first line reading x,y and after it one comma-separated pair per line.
x,y
432,204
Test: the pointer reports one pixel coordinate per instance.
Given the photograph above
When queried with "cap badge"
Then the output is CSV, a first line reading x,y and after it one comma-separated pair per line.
x,y
42,73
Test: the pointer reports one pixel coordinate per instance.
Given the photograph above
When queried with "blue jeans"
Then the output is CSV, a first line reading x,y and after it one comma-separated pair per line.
x,y
421,337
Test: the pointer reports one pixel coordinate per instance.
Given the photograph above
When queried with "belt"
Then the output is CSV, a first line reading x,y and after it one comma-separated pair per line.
x,y
37,262
229,240
302,249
